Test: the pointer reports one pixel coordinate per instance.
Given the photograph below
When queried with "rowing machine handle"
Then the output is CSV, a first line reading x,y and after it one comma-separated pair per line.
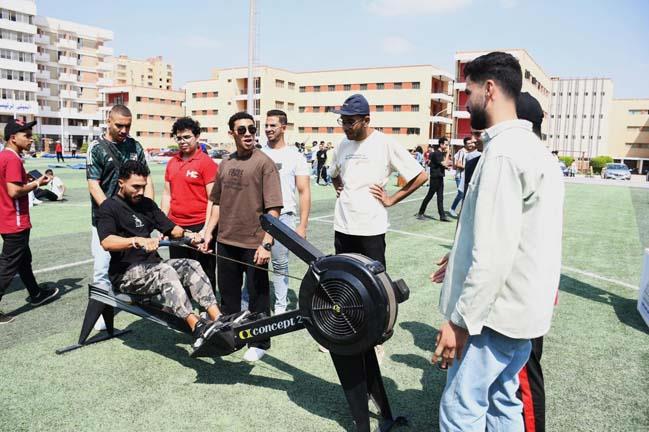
x,y
185,241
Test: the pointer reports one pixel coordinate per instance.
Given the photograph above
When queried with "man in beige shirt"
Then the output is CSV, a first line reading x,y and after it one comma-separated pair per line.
x,y
504,267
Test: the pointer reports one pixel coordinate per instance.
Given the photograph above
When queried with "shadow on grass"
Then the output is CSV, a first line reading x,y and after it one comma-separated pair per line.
x,y
625,309
64,285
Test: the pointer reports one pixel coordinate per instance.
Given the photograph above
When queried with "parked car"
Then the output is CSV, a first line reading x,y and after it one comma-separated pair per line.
x,y
616,171
167,152
218,153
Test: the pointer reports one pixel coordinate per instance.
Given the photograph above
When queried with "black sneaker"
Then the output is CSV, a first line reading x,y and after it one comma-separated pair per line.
x,y
45,295
6,319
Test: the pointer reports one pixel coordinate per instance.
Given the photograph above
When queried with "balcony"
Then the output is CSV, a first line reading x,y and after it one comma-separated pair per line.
x,y
42,57
461,114
70,44
105,51
105,66
104,82
441,119
44,92
69,94
40,39
70,61
460,86
68,77
441,97
42,74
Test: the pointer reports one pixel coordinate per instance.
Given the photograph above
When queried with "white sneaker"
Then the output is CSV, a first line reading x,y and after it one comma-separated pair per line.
x,y
452,213
380,353
253,354
100,324
322,349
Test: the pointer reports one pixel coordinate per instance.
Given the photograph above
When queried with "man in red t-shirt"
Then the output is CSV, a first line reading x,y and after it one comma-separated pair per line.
x,y
59,152
15,225
189,178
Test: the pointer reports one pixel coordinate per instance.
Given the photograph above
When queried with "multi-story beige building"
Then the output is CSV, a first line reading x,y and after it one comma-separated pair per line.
x,y
535,81
579,116
152,72
154,112
73,66
629,133
411,102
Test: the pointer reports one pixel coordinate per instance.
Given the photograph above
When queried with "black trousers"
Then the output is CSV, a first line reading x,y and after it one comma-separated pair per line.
x,y
436,187
230,281
207,262
370,246
16,257
59,157
532,389
45,194
321,173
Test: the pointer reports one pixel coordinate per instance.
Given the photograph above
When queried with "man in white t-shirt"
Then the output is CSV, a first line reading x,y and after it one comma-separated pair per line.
x,y
55,190
458,164
294,176
361,166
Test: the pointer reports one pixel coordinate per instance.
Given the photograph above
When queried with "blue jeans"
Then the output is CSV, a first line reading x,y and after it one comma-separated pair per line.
x,y
480,392
279,259
460,195
102,261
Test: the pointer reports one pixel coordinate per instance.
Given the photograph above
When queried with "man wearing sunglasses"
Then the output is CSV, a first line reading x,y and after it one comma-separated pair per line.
x,y
189,178
246,186
361,166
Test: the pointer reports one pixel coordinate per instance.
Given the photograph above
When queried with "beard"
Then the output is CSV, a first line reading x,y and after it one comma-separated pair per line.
x,y
478,118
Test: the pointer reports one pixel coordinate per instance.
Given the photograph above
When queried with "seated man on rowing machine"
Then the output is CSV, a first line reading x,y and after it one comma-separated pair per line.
x,y
124,224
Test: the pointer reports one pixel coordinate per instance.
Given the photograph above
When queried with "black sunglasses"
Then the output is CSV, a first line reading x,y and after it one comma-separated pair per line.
x,y
241,130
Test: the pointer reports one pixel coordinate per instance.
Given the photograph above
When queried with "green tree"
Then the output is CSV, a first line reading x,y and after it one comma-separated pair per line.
x,y
598,162
568,160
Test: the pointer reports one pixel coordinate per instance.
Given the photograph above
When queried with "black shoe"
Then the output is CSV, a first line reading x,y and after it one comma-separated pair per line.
x,y
43,296
444,219
6,319
420,217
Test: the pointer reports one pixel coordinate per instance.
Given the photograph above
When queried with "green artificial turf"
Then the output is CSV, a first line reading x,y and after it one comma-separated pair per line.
x,y
596,356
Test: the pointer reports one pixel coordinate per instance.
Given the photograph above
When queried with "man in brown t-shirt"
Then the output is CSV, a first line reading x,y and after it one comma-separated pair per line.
x,y
246,186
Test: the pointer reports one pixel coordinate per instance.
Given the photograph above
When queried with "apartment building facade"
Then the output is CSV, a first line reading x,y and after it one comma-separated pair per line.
x,y
578,124
629,133
410,102
535,81
17,60
74,64
153,72
154,111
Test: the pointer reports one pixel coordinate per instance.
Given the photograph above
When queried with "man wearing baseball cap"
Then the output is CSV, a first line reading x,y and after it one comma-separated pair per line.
x,y
15,225
360,169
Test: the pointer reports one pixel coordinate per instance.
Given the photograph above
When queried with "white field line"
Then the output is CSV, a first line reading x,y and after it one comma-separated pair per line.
x,y
565,268
63,266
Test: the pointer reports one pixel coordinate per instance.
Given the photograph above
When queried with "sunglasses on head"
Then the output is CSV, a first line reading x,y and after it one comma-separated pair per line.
x,y
241,130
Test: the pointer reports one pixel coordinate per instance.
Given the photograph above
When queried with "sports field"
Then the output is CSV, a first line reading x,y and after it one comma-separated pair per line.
x,y
596,357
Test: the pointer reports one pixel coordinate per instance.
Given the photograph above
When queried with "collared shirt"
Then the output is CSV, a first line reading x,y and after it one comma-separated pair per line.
x,y
100,166
504,268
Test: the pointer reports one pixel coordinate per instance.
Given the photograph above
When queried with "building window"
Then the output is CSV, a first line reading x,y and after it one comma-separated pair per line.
x,y
279,83
412,131
316,88
330,130
379,108
416,85
396,108
279,105
291,85
380,86
301,109
398,86
396,130
138,98
302,89
363,86
347,87
527,74
300,129
414,108
316,109
331,88
291,106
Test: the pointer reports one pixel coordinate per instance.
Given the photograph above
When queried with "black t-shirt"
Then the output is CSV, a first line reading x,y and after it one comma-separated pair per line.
x,y
116,216
322,156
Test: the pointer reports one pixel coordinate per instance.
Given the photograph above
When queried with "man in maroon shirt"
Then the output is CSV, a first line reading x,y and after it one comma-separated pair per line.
x,y
189,178
15,225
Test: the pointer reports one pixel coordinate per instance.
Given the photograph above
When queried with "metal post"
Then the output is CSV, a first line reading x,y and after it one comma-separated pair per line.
x,y
251,55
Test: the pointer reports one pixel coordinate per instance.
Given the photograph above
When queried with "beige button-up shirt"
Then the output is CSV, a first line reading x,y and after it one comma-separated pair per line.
x,y
504,268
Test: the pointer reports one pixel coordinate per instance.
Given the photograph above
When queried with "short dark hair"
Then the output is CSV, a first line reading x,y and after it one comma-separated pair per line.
x,y
120,110
501,67
281,115
442,140
186,123
239,116
49,171
466,139
322,142
133,167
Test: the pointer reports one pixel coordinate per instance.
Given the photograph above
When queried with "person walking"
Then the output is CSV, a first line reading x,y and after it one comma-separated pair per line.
x,y
438,166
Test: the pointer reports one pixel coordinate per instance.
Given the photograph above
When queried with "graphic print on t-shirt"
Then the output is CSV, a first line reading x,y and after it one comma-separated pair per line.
x,y
234,179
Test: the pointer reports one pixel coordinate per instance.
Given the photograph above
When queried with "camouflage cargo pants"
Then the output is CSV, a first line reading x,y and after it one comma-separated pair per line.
x,y
167,281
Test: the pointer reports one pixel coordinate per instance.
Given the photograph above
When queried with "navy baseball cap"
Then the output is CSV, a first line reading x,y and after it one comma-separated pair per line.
x,y
17,125
354,105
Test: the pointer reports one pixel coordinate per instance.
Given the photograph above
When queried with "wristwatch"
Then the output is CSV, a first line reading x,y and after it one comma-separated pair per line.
x,y
268,246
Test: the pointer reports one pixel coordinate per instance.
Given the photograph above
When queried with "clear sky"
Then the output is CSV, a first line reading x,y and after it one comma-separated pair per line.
x,y
567,38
